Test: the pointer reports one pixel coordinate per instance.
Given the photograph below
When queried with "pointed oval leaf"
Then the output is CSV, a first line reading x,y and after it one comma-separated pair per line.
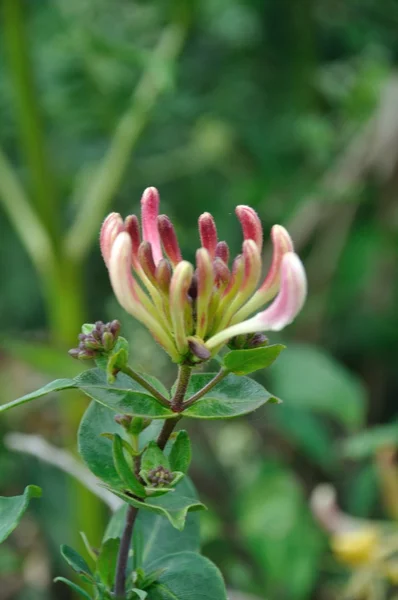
x,y
154,536
181,453
173,506
76,561
76,588
107,559
124,470
187,575
96,450
54,386
243,362
232,397
13,508
153,457
124,396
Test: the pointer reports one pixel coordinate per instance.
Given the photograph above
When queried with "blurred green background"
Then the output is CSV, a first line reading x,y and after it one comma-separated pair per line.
x,y
290,107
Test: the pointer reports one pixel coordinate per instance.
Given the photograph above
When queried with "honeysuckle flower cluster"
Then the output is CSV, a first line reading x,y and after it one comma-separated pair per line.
x,y
101,338
192,311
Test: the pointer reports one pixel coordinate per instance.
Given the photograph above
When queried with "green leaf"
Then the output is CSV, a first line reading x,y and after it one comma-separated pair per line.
x,y
232,397
76,561
124,470
96,450
13,508
180,453
76,588
366,443
307,377
187,575
243,362
140,594
174,506
54,386
107,559
154,536
153,457
124,396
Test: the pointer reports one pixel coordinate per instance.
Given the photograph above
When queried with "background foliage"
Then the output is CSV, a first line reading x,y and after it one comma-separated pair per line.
x,y
289,107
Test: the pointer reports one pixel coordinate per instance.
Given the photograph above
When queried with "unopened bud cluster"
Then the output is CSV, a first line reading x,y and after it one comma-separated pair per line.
x,y
160,477
100,340
192,311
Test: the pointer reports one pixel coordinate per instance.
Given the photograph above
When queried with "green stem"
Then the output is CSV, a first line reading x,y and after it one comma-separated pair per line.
x,y
184,375
145,384
28,115
219,377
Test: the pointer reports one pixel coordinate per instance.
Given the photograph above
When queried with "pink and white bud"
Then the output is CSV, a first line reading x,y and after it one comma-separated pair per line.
x,y
251,225
281,312
111,227
222,251
208,233
179,287
146,261
149,214
282,243
132,226
163,275
130,295
169,239
205,283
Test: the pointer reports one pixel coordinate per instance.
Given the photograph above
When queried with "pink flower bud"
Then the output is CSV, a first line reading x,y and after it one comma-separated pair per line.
x,y
146,261
251,225
130,295
282,243
205,282
208,233
222,251
149,213
163,275
180,283
132,226
169,239
281,312
222,275
111,227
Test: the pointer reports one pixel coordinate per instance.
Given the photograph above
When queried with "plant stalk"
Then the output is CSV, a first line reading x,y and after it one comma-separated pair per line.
x,y
219,377
184,375
145,384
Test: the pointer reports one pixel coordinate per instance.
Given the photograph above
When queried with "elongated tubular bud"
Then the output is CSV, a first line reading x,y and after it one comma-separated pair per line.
x,y
132,226
205,276
129,294
180,283
146,261
238,268
111,227
222,274
251,276
198,349
163,275
222,251
251,225
149,213
169,239
208,233
282,243
281,312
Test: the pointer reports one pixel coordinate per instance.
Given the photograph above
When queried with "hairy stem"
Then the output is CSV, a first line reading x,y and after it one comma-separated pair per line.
x,y
184,375
122,560
219,377
145,384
